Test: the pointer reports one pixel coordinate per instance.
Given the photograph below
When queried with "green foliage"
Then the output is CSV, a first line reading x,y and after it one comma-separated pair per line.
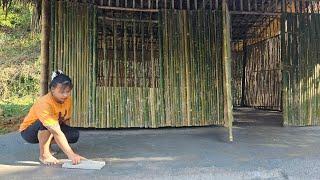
x,y
17,106
17,17
19,80
19,61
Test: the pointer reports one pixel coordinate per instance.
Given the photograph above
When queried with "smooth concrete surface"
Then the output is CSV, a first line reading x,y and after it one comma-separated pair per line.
x,y
258,152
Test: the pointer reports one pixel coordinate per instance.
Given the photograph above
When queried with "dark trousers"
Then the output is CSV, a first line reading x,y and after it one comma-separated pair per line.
x,y
31,133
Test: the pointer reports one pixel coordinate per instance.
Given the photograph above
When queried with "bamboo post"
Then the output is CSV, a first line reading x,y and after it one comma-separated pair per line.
x,y
161,66
187,66
226,67
125,88
135,64
115,74
45,39
52,38
243,83
152,84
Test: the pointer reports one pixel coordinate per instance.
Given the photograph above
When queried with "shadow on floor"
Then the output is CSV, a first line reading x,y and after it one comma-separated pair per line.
x,y
244,116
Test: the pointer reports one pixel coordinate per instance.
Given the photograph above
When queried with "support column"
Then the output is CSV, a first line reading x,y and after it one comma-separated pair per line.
x,y
45,38
226,61
243,83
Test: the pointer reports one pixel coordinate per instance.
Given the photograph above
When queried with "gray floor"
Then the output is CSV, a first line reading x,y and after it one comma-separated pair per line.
x,y
259,151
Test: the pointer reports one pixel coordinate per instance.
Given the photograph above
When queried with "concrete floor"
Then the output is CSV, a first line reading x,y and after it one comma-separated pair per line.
x,y
259,151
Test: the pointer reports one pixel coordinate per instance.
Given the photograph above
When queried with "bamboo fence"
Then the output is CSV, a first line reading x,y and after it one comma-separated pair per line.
x,y
237,73
72,49
145,70
263,74
301,68
167,63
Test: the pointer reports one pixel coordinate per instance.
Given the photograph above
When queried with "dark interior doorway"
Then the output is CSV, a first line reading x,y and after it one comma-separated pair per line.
x,y
256,63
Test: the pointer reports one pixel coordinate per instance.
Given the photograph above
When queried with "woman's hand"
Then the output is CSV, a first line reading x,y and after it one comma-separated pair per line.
x,y
75,158
62,141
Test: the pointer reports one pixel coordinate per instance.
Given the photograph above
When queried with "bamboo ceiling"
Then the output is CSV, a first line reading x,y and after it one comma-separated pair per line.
x,y
249,18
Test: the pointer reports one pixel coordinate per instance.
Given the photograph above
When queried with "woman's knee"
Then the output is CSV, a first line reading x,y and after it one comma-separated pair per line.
x,y
31,133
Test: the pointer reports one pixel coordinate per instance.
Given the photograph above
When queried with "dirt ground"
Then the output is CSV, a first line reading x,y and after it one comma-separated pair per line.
x,y
10,124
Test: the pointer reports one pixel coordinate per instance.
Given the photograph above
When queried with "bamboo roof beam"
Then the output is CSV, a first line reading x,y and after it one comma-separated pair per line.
x,y
128,9
255,13
127,20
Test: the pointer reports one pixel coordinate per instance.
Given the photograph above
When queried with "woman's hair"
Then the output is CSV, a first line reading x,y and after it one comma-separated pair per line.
x,y
59,78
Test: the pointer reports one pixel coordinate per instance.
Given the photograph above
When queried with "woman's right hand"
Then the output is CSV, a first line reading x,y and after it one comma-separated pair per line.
x,y
75,158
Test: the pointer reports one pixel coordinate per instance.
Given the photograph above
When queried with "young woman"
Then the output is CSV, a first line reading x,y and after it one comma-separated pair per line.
x,y
48,120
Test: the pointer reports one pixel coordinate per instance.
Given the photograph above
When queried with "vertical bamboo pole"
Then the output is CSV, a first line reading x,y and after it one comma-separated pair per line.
x,y
284,68
174,70
81,80
105,74
65,39
125,95
114,89
213,48
161,27
77,108
144,79
45,39
196,68
226,68
56,22
88,67
216,63
75,47
135,69
186,24
95,37
192,17
166,82
152,87
52,37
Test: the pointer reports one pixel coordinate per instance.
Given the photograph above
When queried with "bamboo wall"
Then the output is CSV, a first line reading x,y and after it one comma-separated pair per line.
x,y
301,68
237,73
72,49
144,71
161,74
263,74
263,77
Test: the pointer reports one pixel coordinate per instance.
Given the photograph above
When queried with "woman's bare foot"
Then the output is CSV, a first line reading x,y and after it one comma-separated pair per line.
x,y
48,160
